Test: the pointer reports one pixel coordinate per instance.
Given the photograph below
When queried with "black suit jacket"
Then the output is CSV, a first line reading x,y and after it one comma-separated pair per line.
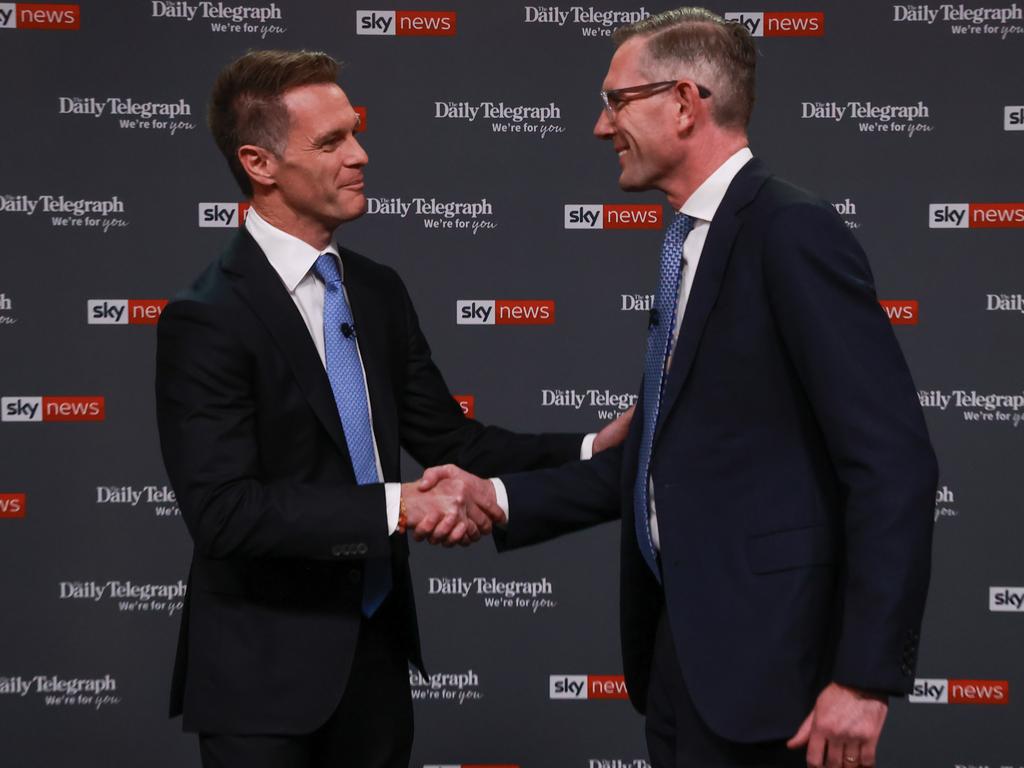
x,y
253,445
794,479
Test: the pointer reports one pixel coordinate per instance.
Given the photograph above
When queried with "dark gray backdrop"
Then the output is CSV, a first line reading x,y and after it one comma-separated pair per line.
x,y
92,546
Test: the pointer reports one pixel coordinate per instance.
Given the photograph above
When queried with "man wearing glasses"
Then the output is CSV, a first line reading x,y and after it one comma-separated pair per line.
x,y
777,484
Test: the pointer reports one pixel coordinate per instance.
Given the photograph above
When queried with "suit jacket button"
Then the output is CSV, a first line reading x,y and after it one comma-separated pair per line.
x,y
337,550
362,549
354,576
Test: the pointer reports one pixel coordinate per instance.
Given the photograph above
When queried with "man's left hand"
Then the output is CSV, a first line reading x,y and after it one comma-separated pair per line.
x,y
615,432
843,729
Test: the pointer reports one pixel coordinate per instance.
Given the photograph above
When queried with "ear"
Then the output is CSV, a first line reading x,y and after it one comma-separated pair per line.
x,y
259,163
688,105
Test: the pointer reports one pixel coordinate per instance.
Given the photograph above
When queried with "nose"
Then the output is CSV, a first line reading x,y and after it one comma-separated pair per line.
x,y
604,128
356,156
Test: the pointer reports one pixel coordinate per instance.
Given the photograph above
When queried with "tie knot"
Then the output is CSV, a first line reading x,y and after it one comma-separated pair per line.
x,y
326,268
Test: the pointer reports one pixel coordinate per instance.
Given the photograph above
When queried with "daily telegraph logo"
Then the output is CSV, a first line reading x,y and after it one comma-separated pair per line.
x,y
587,687
1006,599
40,16
496,593
1013,118
1004,302
12,505
222,214
583,216
172,116
406,23
6,306
66,212
435,214
456,688
848,210
976,406
55,691
945,500
940,691
124,311
129,596
963,20
467,403
901,311
780,23
471,765
160,497
614,762
905,119
608,404
235,18
975,215
590,21
504,312
536,120
68,408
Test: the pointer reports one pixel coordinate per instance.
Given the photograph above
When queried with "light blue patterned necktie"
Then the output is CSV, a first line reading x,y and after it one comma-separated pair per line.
x,y
345,371
659,336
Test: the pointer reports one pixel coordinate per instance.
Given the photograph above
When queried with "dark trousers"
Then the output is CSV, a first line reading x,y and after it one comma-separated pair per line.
x,y
371,728
677,737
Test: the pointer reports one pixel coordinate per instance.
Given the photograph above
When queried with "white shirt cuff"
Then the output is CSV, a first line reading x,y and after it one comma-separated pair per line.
x,y
587,449
393,498
501,496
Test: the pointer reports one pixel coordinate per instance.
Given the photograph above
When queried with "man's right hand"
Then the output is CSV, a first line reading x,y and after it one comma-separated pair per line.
x,y
481,503
439,513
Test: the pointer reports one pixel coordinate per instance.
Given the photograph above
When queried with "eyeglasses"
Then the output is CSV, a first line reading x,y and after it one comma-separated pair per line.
x,y
616,99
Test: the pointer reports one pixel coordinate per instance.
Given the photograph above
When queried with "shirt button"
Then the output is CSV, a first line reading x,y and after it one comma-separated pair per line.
x,y
337,550
362,549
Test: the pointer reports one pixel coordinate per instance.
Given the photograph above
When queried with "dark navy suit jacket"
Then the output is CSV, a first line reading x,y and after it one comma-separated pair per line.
x,y
254,448
793,476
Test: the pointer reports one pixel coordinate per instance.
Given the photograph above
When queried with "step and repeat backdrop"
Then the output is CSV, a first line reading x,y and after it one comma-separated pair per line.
x,y
532,274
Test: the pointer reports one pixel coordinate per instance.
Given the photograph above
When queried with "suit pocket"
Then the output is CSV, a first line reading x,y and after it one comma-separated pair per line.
x,y
793,548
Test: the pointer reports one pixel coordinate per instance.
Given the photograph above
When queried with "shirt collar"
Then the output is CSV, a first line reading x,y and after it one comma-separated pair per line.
x,y
705,200
290,257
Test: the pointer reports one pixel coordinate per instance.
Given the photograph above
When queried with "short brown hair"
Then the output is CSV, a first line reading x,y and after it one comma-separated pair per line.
x,y
245,104
699,38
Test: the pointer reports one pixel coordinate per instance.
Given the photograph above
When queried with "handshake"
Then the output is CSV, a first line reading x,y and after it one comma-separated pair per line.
x,y
450,506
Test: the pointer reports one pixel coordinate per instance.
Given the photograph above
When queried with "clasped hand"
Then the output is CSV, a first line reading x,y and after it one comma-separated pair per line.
x,y
448,506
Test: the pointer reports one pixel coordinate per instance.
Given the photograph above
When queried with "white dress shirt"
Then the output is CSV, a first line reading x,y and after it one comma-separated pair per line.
x,y
701,205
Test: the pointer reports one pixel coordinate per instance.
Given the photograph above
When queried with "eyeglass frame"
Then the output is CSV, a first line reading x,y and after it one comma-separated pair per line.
x,y
642,92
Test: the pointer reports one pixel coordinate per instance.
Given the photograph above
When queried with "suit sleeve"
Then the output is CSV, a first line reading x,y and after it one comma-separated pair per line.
x,y
207,420
846,356
435,431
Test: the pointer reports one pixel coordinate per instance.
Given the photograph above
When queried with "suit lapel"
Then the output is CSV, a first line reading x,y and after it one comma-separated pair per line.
x,y
261,288
368,311
714,259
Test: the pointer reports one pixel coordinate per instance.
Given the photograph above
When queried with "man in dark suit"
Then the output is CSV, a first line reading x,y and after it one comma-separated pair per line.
x,y
287,377
777,486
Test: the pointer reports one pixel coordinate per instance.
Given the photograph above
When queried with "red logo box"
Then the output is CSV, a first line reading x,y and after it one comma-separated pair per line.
x,y
74,408
12,505
468,405
425,23
524,312
632,217
901,311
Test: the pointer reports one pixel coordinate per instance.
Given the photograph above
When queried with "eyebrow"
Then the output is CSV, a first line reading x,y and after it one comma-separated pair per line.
x,y
330,136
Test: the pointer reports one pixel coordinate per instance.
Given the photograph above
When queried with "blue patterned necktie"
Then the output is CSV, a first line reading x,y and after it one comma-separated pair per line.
x,y
659,335
345,371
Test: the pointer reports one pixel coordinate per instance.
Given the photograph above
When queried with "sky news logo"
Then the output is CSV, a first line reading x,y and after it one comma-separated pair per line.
x,y
1006,599
1013,118
468,405
361,125
901,311
780,23
124,311
505,312
581,216
39,16
225,215
406,23
12,505
587,687
471,765
975,215
66,408
936,691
